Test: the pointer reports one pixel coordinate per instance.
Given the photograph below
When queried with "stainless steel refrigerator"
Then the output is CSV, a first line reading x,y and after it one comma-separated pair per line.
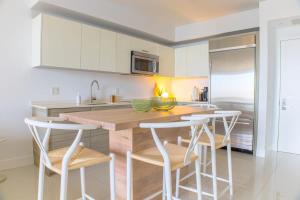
x,y
232,84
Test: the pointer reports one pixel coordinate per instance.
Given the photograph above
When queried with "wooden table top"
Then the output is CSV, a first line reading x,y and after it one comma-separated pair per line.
x,y
121,119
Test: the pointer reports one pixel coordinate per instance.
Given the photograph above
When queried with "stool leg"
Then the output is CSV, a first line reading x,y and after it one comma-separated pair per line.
x,y
112,177
41,180
214,172
177,183
168,178
164,186
129,176
179,142
64,184
198,172
82,180
204,159
230,169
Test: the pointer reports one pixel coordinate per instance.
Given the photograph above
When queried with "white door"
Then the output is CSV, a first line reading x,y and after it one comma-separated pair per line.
x,y
289,119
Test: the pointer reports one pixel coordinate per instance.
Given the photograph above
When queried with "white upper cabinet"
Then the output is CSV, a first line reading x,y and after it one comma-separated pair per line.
x,y
59,42
108,54
144,46
192,61
126,44
98,49
90,55
123,53
180,62
198,60
166,61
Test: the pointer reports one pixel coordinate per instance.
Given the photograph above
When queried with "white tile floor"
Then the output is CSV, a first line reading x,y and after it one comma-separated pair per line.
x,y
275,178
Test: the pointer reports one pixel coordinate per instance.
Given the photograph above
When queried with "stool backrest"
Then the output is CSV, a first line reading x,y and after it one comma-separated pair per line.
x,y
228,125
35,123
194,125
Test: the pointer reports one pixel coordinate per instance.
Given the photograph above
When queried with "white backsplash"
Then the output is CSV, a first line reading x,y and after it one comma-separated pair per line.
x,y
183,88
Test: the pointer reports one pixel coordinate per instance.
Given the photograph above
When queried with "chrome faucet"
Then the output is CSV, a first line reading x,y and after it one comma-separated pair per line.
x,y
91,89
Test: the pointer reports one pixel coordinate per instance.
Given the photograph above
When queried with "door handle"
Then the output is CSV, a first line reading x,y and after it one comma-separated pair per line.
x,y
283,104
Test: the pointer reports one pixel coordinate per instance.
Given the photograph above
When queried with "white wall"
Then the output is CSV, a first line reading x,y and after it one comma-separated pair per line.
x,y
269,11
234,22
19,84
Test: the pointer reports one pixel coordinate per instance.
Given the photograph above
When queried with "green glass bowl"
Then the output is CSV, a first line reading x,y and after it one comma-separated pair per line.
x,y
141,105
163,104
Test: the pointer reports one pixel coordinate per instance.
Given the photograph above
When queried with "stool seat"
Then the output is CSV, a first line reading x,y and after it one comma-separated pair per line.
x,y
153,156
83,157
204,140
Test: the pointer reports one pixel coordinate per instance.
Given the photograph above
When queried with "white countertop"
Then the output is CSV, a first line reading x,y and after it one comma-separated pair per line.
x,y
60,105
69,104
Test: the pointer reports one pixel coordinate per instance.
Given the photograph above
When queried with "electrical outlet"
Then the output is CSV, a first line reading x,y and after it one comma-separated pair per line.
x,y
55,91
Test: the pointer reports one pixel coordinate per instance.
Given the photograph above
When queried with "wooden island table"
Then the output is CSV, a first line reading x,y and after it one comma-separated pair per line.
x,y
125,134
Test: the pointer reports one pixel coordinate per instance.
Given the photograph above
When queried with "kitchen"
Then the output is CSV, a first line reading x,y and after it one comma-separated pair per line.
x,y
72,45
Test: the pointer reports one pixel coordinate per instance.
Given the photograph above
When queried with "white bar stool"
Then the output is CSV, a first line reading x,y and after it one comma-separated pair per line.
x,y
2,177
70,158
214,141
204,162
168,156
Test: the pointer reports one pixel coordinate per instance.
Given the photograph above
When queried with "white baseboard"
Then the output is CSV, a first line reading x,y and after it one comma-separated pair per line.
x,y
16,162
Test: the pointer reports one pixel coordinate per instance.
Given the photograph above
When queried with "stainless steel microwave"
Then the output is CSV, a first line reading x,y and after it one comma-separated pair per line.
x,y
144,63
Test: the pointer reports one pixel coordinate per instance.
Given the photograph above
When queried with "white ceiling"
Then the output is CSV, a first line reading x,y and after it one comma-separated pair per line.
x,y
180,12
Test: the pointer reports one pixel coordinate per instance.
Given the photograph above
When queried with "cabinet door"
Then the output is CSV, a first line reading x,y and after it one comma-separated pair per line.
x,y
197,60
144,46
180,62
123,53
108,51
90,55
166,61
61,42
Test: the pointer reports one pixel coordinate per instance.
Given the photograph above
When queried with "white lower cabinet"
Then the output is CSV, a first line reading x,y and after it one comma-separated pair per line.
x,y
192,61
